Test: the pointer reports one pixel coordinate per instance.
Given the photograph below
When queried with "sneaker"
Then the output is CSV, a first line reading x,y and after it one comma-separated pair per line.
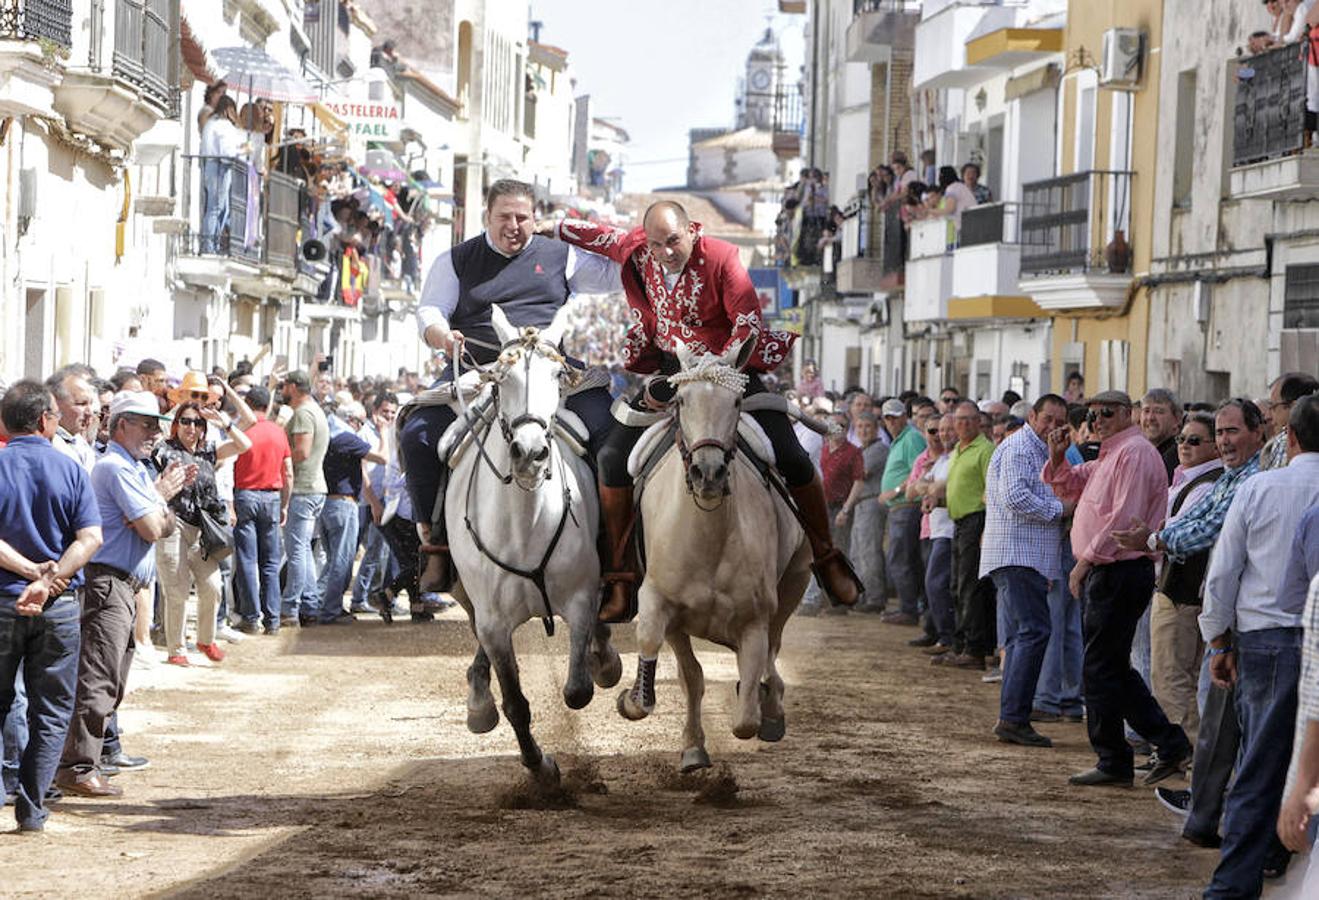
x,y
923,641
1163,769
359,608
993,676
247,627
290,622
145,656
1144,768
1014,733
212,652
938,649
436,603
228,635
270,630
898,617
1174,801
181,661
943,659
967,661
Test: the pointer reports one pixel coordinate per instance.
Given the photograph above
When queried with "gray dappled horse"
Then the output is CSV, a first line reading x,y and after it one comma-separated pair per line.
x,y
726,560
523,516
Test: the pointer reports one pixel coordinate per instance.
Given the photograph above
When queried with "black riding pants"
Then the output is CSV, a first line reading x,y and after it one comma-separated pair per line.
x,y
793,462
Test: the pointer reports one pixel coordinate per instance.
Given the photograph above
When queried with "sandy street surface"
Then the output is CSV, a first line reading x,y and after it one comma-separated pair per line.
x,y
335,762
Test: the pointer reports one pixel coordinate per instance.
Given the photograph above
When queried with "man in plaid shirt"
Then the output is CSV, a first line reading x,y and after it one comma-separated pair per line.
x,y
1020,551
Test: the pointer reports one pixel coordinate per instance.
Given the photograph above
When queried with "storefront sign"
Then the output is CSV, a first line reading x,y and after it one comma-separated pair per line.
x,y
372,120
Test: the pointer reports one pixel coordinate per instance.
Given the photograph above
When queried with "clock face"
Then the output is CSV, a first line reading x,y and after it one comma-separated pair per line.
x,y
760,79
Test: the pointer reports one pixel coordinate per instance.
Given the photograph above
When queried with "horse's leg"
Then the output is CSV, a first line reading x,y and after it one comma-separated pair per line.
x,y
773,722
606,664
482,714
652,622
497,639
693,688
578,689
752,651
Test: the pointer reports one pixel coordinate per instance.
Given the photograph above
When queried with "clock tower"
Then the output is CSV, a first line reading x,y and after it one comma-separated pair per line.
x,y
763,78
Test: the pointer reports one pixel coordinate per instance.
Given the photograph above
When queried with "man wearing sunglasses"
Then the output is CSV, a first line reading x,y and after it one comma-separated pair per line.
x,y
1127,484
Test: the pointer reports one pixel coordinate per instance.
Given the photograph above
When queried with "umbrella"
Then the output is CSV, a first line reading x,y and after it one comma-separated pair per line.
x,y
383,164
262,75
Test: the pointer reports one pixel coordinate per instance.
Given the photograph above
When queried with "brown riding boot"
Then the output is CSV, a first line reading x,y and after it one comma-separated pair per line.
x,y
618,592
436,576
831,567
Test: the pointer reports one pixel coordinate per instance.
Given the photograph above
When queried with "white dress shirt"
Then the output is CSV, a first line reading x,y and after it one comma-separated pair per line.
x,y
586,273
1247,562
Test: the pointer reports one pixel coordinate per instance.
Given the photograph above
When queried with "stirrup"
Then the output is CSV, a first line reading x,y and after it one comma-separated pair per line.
x,y
817,569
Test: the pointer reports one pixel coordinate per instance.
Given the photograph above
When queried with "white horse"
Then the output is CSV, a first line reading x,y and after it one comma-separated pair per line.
x,y
522,516
726,560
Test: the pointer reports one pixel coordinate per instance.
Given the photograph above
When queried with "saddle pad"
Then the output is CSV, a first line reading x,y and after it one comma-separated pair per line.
x,y
653,441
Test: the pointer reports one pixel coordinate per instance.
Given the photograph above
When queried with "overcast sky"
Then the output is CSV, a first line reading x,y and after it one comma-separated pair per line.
x,y
659,69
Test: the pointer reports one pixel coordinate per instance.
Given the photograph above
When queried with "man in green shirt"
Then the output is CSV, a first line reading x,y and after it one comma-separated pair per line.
x,y
965,498
309,436
904,516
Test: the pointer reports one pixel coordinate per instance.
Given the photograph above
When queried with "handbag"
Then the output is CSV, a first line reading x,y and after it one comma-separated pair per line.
x,y
216,537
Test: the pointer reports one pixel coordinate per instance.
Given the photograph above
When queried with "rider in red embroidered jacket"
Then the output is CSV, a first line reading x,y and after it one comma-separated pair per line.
x,y
682,285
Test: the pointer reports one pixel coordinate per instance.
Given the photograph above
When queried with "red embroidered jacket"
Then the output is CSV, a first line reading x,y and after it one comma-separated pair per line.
x,y
712,304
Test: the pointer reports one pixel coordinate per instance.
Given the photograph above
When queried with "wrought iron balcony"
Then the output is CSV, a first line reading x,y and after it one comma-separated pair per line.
x,y
875,237
1268,120
141,49
37,20
788,122
1076,223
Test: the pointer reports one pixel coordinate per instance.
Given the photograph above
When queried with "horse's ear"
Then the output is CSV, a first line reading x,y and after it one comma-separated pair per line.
x,y
738,353
685,356
503,330
555,331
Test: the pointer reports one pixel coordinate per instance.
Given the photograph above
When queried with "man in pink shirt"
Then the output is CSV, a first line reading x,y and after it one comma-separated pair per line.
x,y
1128,481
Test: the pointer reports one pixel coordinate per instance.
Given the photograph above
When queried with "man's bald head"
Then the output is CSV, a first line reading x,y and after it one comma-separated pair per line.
x,y
668,235
665,208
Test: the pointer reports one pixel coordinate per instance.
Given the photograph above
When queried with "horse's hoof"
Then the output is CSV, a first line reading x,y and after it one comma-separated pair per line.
x,y
629,709
773,730
482,720
608,674
580,698
745,731
693,759
547,773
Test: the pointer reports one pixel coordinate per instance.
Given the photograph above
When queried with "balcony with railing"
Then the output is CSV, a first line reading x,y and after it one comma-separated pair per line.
x,y
35,38
251,234
1074,240
879,27
872,249
788,122
117,103
987,266
929,270
1269,156
941,41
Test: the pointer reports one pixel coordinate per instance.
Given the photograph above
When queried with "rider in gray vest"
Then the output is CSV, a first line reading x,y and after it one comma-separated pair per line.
x,y
530,278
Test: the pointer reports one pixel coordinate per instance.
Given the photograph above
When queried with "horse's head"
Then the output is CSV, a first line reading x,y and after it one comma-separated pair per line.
x,y
708,406
528,376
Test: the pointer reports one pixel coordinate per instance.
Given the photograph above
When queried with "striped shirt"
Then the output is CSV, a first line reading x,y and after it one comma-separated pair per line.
x,y
1307,694
1023,518
1197,527
1241,590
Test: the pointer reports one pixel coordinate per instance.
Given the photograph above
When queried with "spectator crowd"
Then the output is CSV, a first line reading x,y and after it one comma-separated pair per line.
x,y
1149,570
122,499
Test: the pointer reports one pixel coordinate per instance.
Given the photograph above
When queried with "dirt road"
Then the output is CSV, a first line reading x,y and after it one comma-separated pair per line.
x,y
335,761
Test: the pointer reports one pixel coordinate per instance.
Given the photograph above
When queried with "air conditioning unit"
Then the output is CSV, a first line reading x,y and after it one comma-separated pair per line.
x,y
1120,61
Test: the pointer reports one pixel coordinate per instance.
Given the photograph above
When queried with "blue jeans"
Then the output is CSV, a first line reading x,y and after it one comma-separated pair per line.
x,y
904,556
46,647
1024,593
216,177
378,566
257,555
1268,671
1059,688
338,531
938,588
13,738
300,582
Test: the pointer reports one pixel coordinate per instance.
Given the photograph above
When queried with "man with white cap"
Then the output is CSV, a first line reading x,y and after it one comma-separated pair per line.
x,y
135,514
904,516
339,520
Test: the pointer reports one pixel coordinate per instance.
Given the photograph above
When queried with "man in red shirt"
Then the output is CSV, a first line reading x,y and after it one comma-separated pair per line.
x,y
263,482
842,466
685,287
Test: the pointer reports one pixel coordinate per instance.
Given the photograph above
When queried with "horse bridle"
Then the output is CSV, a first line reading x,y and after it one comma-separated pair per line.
x,y
528,343
685,452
